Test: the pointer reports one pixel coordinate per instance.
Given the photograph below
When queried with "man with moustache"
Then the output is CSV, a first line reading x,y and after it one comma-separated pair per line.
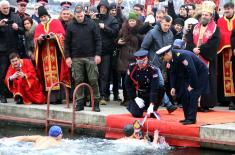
x,y
49,55
204,41
226,91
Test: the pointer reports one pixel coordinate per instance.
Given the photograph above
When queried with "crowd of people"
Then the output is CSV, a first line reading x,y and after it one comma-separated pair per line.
x,y
99,45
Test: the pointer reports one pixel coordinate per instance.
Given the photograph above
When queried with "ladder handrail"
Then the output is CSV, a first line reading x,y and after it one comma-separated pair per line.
x,y
49,99
74,102
73,122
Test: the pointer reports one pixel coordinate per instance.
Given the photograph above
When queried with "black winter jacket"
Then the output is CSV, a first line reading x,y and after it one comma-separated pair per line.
x,y
82,39
110,31
9,38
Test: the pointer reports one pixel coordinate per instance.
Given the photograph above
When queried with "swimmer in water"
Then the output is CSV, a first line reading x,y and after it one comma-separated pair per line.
x,y
43,142
131,133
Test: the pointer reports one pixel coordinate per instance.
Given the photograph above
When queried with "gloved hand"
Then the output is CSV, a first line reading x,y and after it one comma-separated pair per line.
x,y
150,109
139,102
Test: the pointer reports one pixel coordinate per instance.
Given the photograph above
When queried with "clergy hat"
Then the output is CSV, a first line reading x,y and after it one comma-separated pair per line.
x,y
42,11
25,1
55,131
208,6
163,50
128,130
141,54
66,4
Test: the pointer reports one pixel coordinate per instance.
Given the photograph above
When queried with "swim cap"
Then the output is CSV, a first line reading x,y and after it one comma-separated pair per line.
x,y
128,130
55,131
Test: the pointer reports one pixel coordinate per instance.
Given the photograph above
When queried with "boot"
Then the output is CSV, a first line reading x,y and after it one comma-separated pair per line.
x,y
171,109
96,106
124,103
232,106
116,98
18,99
80,105
3,99
103,101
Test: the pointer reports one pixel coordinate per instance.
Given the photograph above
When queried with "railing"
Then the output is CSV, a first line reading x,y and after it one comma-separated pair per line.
x,y
74,103
48,119
63,122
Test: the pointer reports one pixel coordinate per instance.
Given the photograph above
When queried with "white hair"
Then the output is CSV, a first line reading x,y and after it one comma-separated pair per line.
x,y
4,2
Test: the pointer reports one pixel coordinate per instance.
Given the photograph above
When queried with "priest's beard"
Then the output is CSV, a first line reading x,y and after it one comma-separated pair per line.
x,y
204,21
46,20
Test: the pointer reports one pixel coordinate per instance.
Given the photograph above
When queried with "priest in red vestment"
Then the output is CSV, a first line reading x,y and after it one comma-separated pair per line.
x,y
226,91
22,81
49,54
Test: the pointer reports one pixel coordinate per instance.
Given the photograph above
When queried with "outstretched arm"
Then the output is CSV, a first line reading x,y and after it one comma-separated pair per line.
x,y
25,138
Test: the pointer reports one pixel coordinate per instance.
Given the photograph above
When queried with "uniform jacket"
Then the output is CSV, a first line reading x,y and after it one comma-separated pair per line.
x,y
142,80
187,69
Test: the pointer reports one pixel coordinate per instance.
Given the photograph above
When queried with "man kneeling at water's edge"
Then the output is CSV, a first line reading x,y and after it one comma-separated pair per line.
x,y
43,142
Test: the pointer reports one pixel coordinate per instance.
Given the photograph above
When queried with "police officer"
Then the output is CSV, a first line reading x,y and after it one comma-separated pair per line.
x,y
188,78
142,85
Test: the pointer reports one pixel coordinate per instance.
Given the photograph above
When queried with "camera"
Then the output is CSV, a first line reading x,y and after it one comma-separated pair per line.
x,y
9,22
100,16
47,36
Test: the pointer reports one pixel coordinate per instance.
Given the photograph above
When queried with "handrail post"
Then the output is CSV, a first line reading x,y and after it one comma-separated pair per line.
x,y
74,103
49,99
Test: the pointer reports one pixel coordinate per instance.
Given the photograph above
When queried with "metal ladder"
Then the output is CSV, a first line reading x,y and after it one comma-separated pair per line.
x,y
72,122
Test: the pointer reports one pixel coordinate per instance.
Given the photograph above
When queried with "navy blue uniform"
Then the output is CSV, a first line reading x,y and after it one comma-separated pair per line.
x,y
143,83
187,69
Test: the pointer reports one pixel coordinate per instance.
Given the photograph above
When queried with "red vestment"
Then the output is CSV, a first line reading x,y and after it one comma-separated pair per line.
x,y
226,26
29,88
47,54
199,40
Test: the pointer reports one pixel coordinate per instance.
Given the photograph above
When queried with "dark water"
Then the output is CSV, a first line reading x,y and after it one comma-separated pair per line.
x,y
88,145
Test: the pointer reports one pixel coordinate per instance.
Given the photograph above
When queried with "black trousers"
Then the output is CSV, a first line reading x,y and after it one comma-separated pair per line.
x,y
4,64
104,75
123,76
114,76
189,100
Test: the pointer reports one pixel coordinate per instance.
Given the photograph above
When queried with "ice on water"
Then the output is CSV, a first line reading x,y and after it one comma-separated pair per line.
x,y
86,146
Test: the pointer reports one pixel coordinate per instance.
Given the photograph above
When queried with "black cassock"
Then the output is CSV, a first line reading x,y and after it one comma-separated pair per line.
x,y
209,52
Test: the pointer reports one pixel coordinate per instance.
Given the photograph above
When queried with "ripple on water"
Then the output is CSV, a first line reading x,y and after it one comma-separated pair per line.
x,y
85,146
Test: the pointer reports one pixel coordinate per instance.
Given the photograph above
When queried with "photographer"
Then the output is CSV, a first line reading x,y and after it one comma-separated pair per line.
x,y
10,28
22,81
49,54
109,27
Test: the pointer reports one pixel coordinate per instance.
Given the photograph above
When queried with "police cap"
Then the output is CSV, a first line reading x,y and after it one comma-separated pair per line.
x,y
163,50
141,54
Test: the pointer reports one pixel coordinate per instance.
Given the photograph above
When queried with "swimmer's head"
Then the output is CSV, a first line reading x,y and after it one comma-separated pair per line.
x,y
55,131
128,130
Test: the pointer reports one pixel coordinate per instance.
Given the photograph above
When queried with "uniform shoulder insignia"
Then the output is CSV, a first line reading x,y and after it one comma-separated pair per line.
x,y
128,72
178,54
185,62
